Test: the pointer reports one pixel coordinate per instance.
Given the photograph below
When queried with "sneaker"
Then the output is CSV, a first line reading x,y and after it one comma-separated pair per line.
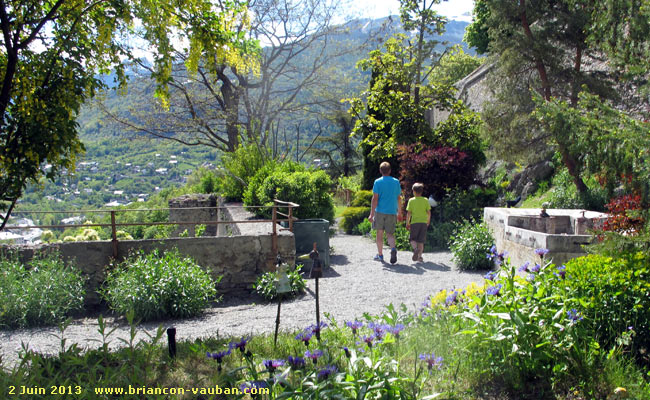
x,y
415,255
393,255
379,257
420,259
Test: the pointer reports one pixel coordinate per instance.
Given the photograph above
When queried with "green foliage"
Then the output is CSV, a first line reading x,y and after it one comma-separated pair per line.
x,y
470,244
438,235
265,285
364,228
402,237
565,195
241,166
253,195
44,292
613,293
476,34
352,217
156,286
454,65
362,198
48,73
309,189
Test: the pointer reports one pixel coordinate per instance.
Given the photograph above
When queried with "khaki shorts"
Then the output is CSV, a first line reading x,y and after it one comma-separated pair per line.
x,y
384,222
419,232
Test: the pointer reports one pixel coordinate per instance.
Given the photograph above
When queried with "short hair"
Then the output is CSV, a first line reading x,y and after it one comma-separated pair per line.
x,y
418,188
384,168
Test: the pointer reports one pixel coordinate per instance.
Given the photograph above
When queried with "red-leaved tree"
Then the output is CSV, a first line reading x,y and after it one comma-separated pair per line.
x,y
438,168
625,215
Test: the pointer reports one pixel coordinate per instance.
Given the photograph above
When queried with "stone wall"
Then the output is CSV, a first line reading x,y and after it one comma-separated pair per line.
x,y
197,207
507,227
238,259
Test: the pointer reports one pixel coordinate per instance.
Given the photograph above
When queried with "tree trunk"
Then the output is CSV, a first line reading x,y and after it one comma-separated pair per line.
x,y
567,158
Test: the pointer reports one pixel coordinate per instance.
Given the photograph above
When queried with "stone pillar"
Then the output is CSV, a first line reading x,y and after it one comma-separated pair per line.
x,y
178,213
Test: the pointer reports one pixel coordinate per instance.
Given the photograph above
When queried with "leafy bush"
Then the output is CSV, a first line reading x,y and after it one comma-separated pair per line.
x,y
565,194
352,217
470,243
613,293
265,283
454,169
309,189
240,167
402,237
362,198
439,235
364,227
43,293
253,196
156,286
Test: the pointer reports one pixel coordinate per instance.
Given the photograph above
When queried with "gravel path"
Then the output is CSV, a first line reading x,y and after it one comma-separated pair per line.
x,y
353,285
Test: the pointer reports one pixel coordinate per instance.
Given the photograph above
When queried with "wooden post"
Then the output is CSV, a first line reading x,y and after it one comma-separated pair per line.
x,y
277,321
274,237
114,234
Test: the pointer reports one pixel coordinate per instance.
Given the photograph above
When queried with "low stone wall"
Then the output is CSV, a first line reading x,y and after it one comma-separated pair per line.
x,y
238,259
508,228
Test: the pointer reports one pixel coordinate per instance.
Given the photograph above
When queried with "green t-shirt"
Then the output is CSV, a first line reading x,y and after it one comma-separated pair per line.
x,y
418,206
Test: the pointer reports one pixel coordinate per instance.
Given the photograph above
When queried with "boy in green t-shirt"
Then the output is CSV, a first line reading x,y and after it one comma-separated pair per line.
x,y
418,217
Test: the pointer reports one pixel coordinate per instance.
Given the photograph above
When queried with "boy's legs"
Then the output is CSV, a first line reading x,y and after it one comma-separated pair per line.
x,y
420,250
380,241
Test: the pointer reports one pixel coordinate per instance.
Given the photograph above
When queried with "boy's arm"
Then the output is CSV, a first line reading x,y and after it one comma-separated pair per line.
x,y
428,217
408,220
373,205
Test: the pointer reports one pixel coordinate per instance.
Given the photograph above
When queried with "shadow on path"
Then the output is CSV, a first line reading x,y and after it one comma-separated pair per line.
x,y
417,269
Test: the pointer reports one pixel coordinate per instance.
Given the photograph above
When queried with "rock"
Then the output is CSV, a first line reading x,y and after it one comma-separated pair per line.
x,y
526,182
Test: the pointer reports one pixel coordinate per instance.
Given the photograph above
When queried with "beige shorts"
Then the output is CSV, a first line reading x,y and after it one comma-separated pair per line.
x,y
384,222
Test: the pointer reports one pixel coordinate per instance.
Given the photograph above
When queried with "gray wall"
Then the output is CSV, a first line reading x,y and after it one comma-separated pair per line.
x,y
239,259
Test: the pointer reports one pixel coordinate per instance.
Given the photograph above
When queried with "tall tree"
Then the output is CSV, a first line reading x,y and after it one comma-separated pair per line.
x,y
222,105
540,46
51,52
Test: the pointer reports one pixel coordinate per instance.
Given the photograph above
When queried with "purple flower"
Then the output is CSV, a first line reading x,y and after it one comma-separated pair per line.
x,y
219,355
536,268
561,272
494,290
432,361
451,299
326,372
378,329
368,340
491,276
315,329
271,365
493,252
296,362
314,355
354,325
241,345
304,336
541,252
247,387
531,277
524,268
574,315
395,330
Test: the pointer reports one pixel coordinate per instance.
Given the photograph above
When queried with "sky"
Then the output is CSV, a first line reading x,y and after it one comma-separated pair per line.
x,y
453,9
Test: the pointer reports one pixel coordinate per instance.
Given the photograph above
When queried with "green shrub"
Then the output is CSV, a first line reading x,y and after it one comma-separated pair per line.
x,y
43,293
438,235
352,217
470,245
402,237
265,285
253,195
309,189
362,198
364,227
240,167
158,285
615,295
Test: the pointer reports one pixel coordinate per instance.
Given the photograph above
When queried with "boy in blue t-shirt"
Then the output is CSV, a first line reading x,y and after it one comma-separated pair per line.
x,y
385,210
418,217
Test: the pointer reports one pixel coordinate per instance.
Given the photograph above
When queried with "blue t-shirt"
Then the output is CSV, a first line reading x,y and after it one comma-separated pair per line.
x,y
388,189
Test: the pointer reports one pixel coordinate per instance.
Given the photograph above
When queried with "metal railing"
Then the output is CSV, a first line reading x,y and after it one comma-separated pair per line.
x,y
288,217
